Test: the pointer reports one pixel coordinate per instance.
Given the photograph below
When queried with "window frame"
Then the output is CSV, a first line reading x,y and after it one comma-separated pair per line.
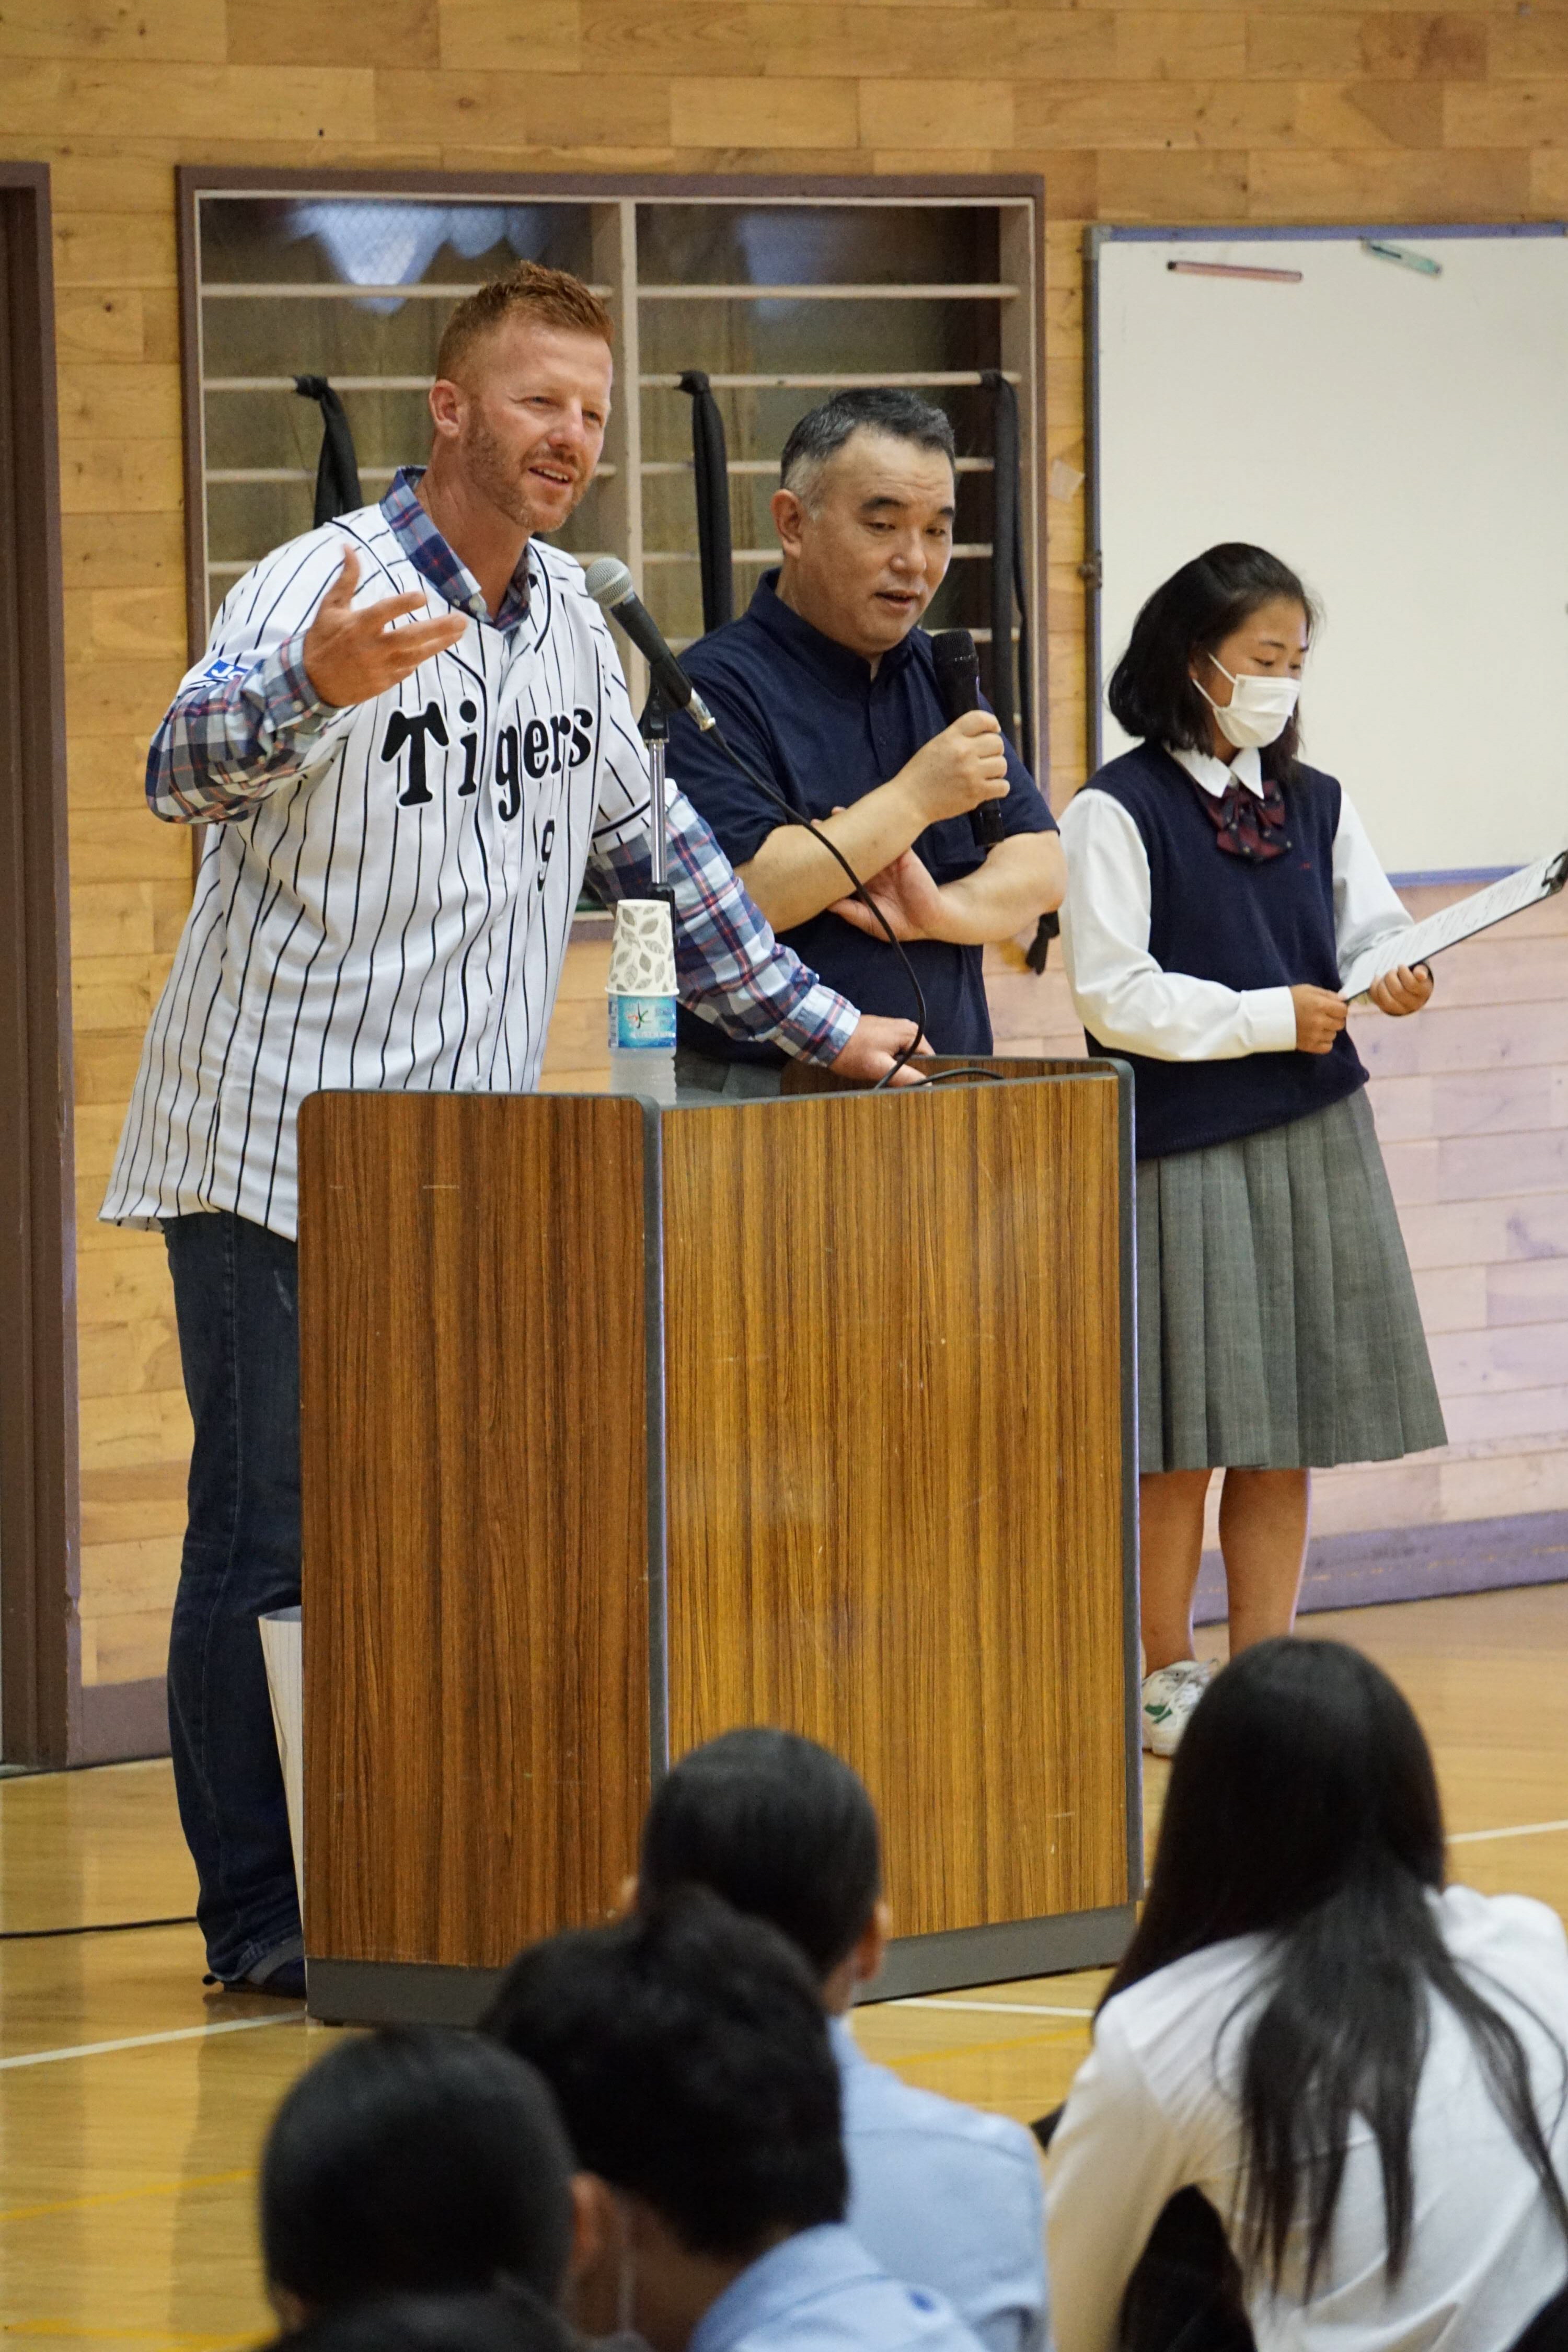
x,y
196,182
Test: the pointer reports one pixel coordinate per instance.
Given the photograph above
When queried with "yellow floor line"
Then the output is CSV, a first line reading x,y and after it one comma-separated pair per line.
x,y
73,2329
917,2058
982,2008
147,2040
1525,1829
128,2196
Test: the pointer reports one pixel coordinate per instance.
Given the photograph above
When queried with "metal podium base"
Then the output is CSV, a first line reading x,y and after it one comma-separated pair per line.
x,y
398,1992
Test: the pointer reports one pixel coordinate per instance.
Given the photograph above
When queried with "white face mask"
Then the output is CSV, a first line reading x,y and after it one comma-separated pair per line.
x,y
1259,711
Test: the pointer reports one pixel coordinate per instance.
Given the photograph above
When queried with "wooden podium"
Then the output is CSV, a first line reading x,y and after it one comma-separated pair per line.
x,y
624,1427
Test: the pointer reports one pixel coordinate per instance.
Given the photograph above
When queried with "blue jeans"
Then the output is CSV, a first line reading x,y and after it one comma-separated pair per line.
x,y
236,1293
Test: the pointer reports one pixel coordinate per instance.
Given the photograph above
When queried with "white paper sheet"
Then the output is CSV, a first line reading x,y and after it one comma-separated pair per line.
x,y
1460,921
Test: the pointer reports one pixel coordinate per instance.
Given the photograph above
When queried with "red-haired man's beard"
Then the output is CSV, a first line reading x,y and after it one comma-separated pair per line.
x,y
536,488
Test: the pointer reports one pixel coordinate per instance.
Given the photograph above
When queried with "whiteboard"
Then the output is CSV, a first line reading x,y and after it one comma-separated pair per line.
x,y
1402,442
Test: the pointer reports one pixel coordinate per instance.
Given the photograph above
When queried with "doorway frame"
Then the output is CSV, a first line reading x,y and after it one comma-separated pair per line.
x,y
40,1698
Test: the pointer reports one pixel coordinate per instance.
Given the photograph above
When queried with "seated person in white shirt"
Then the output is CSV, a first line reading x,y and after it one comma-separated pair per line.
x,y
690,2058
1363,2072
943,2195
1216,887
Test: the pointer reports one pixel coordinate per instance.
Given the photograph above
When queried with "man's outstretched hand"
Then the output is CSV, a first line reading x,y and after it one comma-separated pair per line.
x,y
873,1048
353,656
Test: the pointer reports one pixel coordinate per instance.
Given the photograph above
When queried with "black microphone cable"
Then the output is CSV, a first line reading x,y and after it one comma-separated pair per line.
x,y
93,1927
857,890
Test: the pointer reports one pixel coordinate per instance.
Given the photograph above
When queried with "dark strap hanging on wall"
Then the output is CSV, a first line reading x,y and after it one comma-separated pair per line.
x,y
1026,746
337,468
1004,533
710,459
1008,588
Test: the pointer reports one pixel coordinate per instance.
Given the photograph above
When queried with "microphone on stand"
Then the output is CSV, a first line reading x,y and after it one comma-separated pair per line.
x,y
958,683
610,585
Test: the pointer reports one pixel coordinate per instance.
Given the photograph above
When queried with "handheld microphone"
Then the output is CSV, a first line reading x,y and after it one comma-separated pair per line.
x,y
958,683
610,585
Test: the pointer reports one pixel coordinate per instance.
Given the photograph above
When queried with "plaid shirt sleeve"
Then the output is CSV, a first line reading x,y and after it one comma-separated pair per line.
x,y
231,738
247,718
729,966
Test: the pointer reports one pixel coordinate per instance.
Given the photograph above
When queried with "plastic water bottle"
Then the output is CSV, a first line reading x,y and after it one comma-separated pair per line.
x,y
642,1047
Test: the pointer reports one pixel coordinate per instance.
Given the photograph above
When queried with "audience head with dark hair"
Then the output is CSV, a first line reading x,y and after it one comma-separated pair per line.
x,y
494,2319
785,1831
1347,1806
688,2056
416,2160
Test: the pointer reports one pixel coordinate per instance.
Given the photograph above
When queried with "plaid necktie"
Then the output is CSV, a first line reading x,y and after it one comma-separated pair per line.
x,y
1246,826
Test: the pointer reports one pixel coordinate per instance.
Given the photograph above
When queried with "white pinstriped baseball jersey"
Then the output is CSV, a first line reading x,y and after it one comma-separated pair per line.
x,y
387,900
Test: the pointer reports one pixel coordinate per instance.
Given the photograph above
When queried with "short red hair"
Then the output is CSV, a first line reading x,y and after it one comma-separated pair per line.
x,y
553,298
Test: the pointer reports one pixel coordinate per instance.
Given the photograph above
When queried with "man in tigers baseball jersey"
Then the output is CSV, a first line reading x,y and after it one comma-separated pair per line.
x,y
409,737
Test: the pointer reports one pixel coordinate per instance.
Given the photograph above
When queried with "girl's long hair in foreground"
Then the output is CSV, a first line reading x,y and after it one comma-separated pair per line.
x,y
1304,1807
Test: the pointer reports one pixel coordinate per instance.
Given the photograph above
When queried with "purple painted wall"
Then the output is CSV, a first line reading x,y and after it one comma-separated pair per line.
x,y
1355,1572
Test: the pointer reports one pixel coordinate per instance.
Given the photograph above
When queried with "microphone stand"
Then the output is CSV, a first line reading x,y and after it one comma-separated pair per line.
x,y
654,731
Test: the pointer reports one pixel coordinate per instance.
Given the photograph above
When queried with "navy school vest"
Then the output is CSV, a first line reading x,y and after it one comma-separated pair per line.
x,y
1219,918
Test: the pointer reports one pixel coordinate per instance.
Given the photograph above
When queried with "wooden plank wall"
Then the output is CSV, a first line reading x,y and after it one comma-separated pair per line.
x,y
1286,111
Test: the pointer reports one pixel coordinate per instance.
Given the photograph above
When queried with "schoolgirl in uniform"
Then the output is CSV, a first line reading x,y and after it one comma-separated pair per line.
x,y
1216,888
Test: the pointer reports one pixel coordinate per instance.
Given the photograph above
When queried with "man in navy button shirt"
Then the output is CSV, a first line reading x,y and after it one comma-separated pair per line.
x,y
828,688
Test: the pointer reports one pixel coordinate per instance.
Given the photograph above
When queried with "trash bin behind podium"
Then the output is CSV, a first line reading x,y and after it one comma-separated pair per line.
x,y
281,1648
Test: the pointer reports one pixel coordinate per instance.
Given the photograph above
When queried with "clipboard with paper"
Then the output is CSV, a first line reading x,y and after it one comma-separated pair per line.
x,y
1462,920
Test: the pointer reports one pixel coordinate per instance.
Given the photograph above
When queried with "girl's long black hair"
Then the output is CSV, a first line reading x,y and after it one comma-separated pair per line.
x,y
1302,1806
1151,694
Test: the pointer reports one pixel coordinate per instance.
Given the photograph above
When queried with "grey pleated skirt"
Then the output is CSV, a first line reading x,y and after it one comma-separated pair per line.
x,y
1278,1327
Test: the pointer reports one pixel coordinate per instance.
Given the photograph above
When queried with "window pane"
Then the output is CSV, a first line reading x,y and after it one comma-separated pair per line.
x,y
358,288
272,252
796,245
926,336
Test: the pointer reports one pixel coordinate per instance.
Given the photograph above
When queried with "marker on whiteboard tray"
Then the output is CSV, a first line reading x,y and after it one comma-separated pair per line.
x,y
1233,269
1402,252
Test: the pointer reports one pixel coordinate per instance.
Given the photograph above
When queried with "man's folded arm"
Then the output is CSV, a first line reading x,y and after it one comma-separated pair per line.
x,y
1022,877
786,869
792,876
729,966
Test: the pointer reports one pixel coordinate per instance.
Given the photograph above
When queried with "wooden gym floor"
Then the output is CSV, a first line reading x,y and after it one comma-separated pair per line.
x,y
132,2104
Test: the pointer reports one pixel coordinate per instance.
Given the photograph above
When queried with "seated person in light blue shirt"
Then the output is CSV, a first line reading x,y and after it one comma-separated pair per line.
x,y
943,2195
690,2059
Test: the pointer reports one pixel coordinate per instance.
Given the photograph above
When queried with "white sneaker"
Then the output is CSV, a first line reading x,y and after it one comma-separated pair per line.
x,y
1170,1695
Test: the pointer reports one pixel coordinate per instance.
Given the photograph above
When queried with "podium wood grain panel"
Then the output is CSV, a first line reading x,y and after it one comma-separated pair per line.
x,y
895,1490
474,1415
